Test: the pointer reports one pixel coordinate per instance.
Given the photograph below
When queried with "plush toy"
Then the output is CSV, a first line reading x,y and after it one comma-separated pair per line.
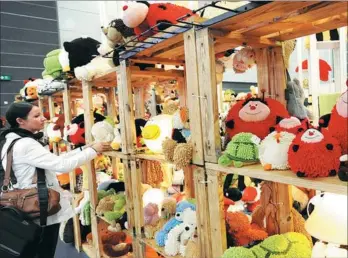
x,y
151,216
179,236
251,197
53,68
314,153
343,170
337,121
103,131
323,250
113,207
254,115
142,15
288,245
98,66
81,51
243,60
192,249
243,233
117,141
117,32
30,92
295,100
139,125
241,150
167,211
162,235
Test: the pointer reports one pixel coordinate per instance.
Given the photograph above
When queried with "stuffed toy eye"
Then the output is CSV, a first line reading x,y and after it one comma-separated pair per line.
x,y
178,216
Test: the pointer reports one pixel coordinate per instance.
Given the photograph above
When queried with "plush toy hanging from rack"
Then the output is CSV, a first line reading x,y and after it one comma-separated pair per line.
x,y
255,115
244,59
324,69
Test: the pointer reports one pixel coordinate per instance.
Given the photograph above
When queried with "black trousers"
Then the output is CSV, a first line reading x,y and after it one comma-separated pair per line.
x,y
48,242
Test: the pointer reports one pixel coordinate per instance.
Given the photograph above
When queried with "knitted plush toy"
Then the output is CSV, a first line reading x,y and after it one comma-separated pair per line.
x,y
337,121
142,15
289,245
167,211
314,153
241,150
162,235
254,115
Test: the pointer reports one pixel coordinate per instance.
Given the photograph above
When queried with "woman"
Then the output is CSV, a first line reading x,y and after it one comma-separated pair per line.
x,y
26,120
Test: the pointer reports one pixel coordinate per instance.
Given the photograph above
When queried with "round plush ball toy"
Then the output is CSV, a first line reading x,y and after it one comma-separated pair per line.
x,y
156,130
314,153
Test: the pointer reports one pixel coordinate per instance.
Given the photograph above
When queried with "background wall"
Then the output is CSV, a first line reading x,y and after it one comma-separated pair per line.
x,y
28,31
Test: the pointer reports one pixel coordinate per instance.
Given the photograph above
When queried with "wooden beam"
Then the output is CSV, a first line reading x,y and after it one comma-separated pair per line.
x,y
208,95
238,38
139,102
173,74
127,172
171,51
192,91
156,60
137,196
92,180
52,115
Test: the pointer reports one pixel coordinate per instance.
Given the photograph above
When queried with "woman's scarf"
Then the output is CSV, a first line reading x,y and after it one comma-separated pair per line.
x,y
22,133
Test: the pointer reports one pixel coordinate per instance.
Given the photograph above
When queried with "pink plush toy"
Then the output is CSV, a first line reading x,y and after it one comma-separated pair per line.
x,y
151,216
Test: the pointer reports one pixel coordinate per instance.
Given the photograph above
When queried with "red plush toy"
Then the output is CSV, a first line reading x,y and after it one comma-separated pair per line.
x,y
251,196
292,125
337,121
141,16
314,153
254,115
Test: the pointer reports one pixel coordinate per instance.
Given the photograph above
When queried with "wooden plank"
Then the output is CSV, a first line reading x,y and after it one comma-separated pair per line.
x,y
116,154
216,213
111,103
72,174
173,74
139,101
172,51
152,157
137,196
189,183
129,196
208,95
156,60
236,38
192,91
326,184
279,75
92,181
262,70
126,108
52,115
202,211
182,92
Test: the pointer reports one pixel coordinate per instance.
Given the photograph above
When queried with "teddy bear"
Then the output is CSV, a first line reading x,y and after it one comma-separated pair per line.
x,y
167,211
287,245
162,235
254,115
117,32
151,216
243,233
179,236
314,153
141,16
98,66
192,249
81,51
103,131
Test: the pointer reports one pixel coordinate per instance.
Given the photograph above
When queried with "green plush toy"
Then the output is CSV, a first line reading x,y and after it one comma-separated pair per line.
x,y
241,150
52,65
289,245
119,209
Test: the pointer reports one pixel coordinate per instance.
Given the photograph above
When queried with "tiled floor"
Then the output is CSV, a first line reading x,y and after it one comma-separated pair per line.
x,y
68,251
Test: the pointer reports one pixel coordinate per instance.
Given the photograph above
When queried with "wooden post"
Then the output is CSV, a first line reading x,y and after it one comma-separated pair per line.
x,y
182,92
192,91
92,181
202,211
208,95
139,102
216,213
72,174
153,103
314,81
111,103
127,171
189,183
126,108
52,115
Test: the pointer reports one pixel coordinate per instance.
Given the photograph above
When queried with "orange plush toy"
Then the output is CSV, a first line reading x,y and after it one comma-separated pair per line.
x,y
243,233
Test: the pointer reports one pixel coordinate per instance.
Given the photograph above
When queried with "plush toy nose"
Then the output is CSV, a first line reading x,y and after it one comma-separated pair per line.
x,y
311,133
125,7
252,107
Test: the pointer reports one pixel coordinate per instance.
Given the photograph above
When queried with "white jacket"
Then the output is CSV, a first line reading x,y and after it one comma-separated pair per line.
x,y
29,154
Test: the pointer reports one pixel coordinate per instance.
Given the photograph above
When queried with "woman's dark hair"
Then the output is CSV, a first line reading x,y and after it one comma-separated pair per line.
x,y
17,110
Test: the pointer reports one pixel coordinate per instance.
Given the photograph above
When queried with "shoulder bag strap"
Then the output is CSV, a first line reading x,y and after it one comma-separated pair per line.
x,y
7,177
43,195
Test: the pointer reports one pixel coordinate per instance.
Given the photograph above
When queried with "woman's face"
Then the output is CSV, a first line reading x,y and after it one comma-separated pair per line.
x,y
34,122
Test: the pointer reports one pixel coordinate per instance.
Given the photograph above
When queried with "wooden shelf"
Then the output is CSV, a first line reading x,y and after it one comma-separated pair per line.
x,y
116,154
328,184
89,250
152,243
155,157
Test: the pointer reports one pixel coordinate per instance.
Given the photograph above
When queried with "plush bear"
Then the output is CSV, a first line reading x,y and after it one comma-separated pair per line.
x,y
142,15
254,115
81,51
337,121
103,131
314,153
287,245
117,32
98,66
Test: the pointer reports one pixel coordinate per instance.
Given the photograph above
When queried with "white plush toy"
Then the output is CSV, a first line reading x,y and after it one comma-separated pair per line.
x,y
116,142
99,65
103,131
179,236
322,250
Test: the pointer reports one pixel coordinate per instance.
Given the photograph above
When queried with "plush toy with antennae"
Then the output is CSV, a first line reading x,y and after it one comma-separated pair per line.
x,y
255,115
314,153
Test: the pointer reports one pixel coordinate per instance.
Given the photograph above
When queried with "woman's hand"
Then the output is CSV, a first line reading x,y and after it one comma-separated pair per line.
x,y
101,146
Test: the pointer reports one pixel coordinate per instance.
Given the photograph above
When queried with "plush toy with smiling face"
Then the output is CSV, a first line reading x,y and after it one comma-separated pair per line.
x,y
337,121
30,92
254,115
314,153
141,16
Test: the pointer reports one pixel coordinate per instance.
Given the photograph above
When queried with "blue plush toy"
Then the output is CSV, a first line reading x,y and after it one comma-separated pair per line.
x,y
162,235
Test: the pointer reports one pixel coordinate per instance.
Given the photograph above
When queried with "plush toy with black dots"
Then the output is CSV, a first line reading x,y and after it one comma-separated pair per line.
x,y
81,51
314,153
141,16
254,115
